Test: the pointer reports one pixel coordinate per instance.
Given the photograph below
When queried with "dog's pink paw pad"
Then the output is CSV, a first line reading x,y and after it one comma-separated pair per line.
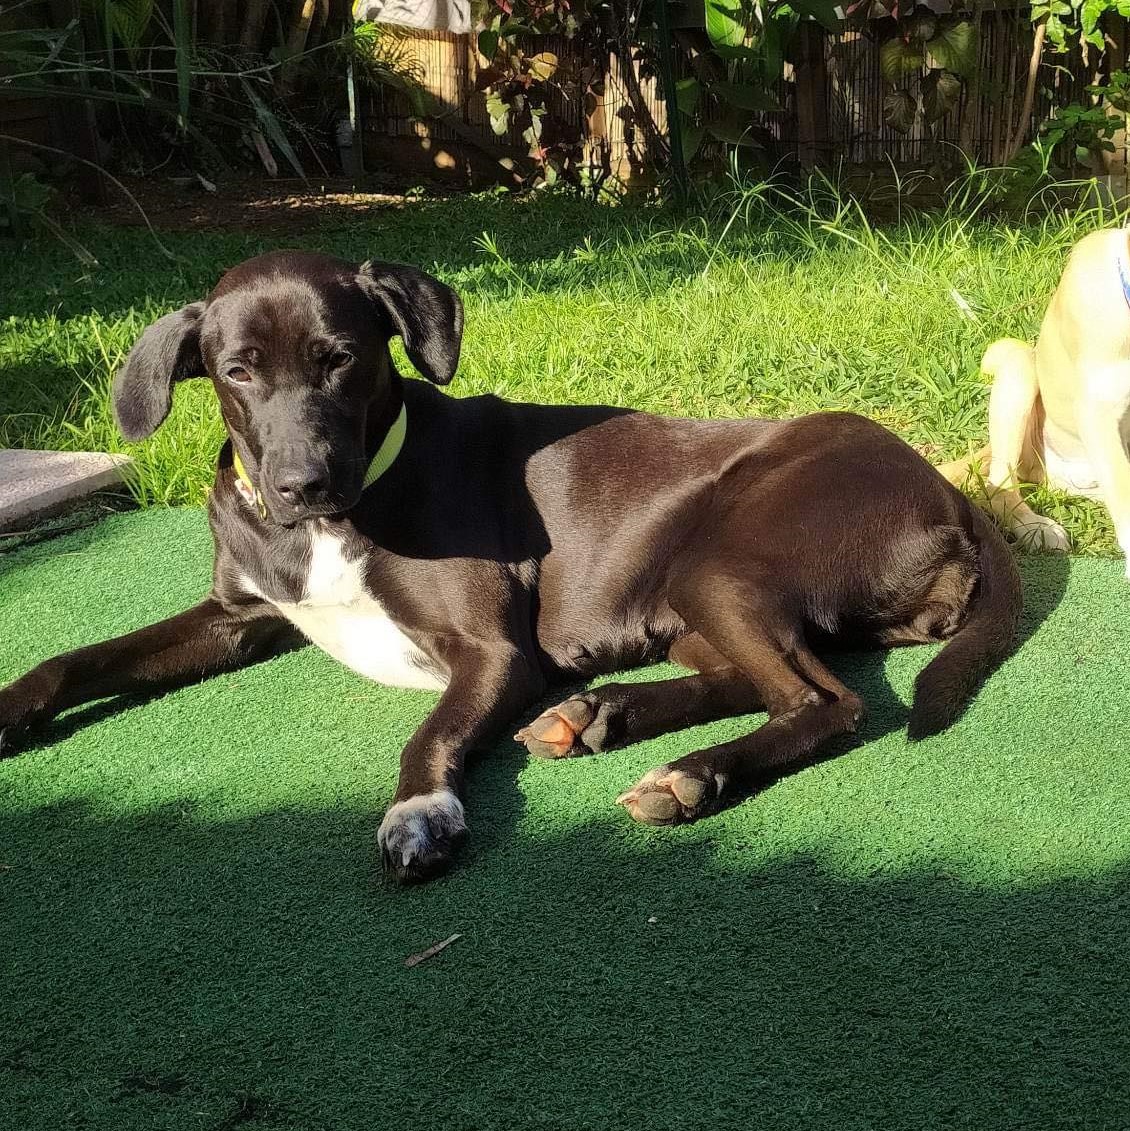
x,y
554,733
670,797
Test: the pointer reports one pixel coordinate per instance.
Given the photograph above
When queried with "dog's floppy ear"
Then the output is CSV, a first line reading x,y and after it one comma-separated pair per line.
x,y
424,312
168,351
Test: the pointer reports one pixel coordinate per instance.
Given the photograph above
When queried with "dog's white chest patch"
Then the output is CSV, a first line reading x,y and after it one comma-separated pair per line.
x,y
1076,476
338,613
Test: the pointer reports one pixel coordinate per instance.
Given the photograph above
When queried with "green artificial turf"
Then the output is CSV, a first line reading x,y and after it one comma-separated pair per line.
x,y
192,935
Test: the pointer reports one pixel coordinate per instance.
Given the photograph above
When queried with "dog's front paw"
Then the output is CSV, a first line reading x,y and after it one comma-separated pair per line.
x,y
418,836
1041,535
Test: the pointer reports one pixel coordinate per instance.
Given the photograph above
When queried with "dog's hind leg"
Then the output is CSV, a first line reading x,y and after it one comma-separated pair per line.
x,y
807,706
1015,444
618,714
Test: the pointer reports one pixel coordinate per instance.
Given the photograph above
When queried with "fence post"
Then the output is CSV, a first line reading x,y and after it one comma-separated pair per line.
x,y
811,74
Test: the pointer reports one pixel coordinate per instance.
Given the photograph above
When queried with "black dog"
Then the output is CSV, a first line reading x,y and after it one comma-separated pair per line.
x,y
487,549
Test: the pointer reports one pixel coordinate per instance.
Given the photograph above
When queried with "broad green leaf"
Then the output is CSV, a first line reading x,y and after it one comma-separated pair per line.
x,y
734,130
532,133
743,54
1090,14
128,20
499,112
899,111
954,48
687,95
488,43
744,96
771,44
897,59
724,23
1056,32
822,11
692,141
940,93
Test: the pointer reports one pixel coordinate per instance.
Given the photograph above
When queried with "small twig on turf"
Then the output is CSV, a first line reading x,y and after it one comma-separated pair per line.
x,y
431,952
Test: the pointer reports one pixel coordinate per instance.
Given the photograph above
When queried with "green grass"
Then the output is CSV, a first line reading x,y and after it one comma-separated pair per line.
x,y
782,310
905,938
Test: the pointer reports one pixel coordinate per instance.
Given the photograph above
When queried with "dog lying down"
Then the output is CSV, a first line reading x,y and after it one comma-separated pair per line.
x,y
488,550
1059,413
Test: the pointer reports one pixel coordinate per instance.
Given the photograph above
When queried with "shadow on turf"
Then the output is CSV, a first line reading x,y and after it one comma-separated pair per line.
x,y
168,973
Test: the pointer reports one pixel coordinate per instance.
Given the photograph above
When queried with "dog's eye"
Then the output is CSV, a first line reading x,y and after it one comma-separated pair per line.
x,y
339,359
239,375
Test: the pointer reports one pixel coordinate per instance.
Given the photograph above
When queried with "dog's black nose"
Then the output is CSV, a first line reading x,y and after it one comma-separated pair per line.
x,y
303,486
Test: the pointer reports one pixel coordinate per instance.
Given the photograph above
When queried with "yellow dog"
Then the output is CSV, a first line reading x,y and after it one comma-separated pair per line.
x,y
1059,412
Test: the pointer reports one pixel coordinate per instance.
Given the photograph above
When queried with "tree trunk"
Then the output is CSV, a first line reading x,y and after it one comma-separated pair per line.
x,y
1021,135
297,33
614,27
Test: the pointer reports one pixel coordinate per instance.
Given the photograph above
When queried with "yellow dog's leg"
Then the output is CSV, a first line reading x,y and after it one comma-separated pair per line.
x,y
1100,428
1016,444
1014,454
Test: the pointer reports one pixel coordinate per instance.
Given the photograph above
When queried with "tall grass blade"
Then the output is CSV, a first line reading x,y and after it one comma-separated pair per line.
x,y
272,128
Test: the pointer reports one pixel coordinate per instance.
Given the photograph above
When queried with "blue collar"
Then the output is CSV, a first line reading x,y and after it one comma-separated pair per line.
x,y
1124,279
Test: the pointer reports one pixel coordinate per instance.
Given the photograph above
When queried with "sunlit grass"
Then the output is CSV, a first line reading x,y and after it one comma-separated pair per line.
x,y
774,306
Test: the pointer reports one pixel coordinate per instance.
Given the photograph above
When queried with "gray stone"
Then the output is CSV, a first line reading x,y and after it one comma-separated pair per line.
x,y
37,484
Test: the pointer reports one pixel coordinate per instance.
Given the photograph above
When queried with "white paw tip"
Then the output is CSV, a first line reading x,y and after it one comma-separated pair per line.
x,y
410,827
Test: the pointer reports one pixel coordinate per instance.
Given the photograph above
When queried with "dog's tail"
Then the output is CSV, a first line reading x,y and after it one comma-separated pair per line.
x,y
1003,354
988,635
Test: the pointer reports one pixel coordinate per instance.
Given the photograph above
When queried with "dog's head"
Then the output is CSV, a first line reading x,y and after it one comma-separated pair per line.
x,y
296,345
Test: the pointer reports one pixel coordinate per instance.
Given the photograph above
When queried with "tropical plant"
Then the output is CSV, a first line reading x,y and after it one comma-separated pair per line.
x,y
525,83
719,72
165,89
1067,22
741,74
925,59
1079,135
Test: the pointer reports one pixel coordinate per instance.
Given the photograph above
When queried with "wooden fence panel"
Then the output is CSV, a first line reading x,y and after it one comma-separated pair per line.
x,y
832,101
858,134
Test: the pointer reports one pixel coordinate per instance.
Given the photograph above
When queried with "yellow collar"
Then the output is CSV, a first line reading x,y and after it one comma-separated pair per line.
x,y
380,463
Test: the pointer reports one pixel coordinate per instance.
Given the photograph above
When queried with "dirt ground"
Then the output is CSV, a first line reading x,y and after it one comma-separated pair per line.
x,y
282,204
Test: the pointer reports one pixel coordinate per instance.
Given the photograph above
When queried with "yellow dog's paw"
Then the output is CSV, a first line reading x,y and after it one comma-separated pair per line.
x,y
1042,535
